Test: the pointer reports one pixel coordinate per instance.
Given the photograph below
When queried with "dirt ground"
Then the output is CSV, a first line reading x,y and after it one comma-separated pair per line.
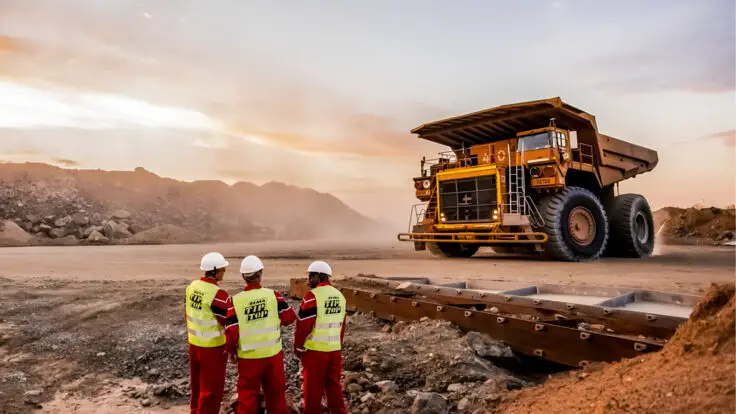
x,y
100,329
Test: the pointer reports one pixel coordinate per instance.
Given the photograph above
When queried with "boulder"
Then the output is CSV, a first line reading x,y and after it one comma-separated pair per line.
x,y
80,219
463,405
97,237
387,386
487,347
33,218
429,403
69,240
44,228
135,228
113,230
28,226
121,214
12,235
91,229
62,222
57,233
457,387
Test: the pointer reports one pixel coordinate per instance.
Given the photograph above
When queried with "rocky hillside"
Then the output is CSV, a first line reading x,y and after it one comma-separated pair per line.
x,y
42,204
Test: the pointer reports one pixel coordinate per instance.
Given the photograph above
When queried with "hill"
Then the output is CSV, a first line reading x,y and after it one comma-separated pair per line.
x,y
64,206
695,224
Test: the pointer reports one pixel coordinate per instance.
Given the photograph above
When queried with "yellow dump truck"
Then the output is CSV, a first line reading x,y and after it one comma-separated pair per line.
x,y
533,177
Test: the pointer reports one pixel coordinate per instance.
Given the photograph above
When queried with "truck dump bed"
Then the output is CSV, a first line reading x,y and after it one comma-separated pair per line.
x,y
615,159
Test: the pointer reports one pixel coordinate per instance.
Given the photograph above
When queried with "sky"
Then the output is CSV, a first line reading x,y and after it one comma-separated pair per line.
x,y
323,94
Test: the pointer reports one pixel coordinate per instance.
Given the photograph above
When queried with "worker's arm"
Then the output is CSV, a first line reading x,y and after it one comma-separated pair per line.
x,y
222,307
286,313
305,322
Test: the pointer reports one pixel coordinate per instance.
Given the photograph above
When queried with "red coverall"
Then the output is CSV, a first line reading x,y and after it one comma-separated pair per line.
x,y
269,372
207,366
321,371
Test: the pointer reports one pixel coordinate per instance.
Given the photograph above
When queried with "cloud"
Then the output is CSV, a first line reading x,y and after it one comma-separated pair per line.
x,y
694,52
65,162
247,93
727,138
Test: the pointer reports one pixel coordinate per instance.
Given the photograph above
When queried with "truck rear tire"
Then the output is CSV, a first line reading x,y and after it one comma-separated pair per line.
x,y
632,227
576,224
453,249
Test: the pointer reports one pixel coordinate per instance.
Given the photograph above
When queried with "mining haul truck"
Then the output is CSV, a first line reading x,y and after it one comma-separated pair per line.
x,y
530,178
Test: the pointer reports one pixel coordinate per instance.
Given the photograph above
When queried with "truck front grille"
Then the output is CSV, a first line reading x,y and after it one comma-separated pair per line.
x,y
468,200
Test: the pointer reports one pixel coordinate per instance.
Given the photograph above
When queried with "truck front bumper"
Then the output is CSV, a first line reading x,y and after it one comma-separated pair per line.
x,y
485,238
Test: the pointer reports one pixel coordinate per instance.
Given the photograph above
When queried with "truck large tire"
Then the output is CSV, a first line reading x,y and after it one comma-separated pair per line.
x,y
453,249
632,227
576,224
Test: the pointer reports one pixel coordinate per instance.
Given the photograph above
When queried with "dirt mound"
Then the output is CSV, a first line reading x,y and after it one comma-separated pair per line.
x,y
680,225
693,373
109,207
12,235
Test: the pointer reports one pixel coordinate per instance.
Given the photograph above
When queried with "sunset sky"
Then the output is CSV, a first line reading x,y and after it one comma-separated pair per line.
x,y
323,94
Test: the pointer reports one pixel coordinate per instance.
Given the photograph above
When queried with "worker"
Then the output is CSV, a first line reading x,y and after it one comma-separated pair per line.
x,y
260,312
318,341
209,311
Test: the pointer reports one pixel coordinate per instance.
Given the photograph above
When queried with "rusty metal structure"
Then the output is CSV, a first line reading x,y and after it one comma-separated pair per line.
x,y
530,177
590,324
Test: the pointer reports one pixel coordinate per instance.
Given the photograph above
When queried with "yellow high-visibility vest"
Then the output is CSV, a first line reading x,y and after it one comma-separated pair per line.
x,y
202,326
258,323
325,336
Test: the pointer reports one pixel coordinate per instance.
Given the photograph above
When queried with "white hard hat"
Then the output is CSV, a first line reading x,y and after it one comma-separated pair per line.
x,y
213,261
251,264
320,267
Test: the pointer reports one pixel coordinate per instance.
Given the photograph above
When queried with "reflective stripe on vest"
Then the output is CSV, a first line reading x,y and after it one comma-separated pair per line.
x,y
202,326
258,323
325,336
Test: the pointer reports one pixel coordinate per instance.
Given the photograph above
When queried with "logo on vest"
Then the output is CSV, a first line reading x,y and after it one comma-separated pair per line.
x,y
256,310
332,305
195,299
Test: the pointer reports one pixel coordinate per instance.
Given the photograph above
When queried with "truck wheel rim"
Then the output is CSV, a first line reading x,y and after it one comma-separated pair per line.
x,y
640,228
582,225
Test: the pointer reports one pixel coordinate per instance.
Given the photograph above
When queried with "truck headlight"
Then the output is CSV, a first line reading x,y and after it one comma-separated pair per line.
x,y
426,184
442,217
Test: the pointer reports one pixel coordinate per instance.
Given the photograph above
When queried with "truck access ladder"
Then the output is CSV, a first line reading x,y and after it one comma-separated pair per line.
x,y
521,210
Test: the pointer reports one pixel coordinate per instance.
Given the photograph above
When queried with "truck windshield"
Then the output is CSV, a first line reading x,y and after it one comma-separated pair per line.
x,y
536,141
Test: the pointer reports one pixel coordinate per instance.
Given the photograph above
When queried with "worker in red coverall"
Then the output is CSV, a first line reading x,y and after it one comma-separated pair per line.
x,y
318,341
260,313
209,311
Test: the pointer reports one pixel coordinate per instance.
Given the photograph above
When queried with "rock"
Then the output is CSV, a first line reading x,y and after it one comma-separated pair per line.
x,y
494,310
387,386
351,377
48,219
44,228
367,397
412,393
487,347
62,222
146,402
386,329
121,214
399,326
429,403
33,218
463,405
135,228
57,233
12,235
424,319
97,237
69,240
354,388
28,226
113,230
108,228
91,229
455,387
33,393
101,354
80,219
123,227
